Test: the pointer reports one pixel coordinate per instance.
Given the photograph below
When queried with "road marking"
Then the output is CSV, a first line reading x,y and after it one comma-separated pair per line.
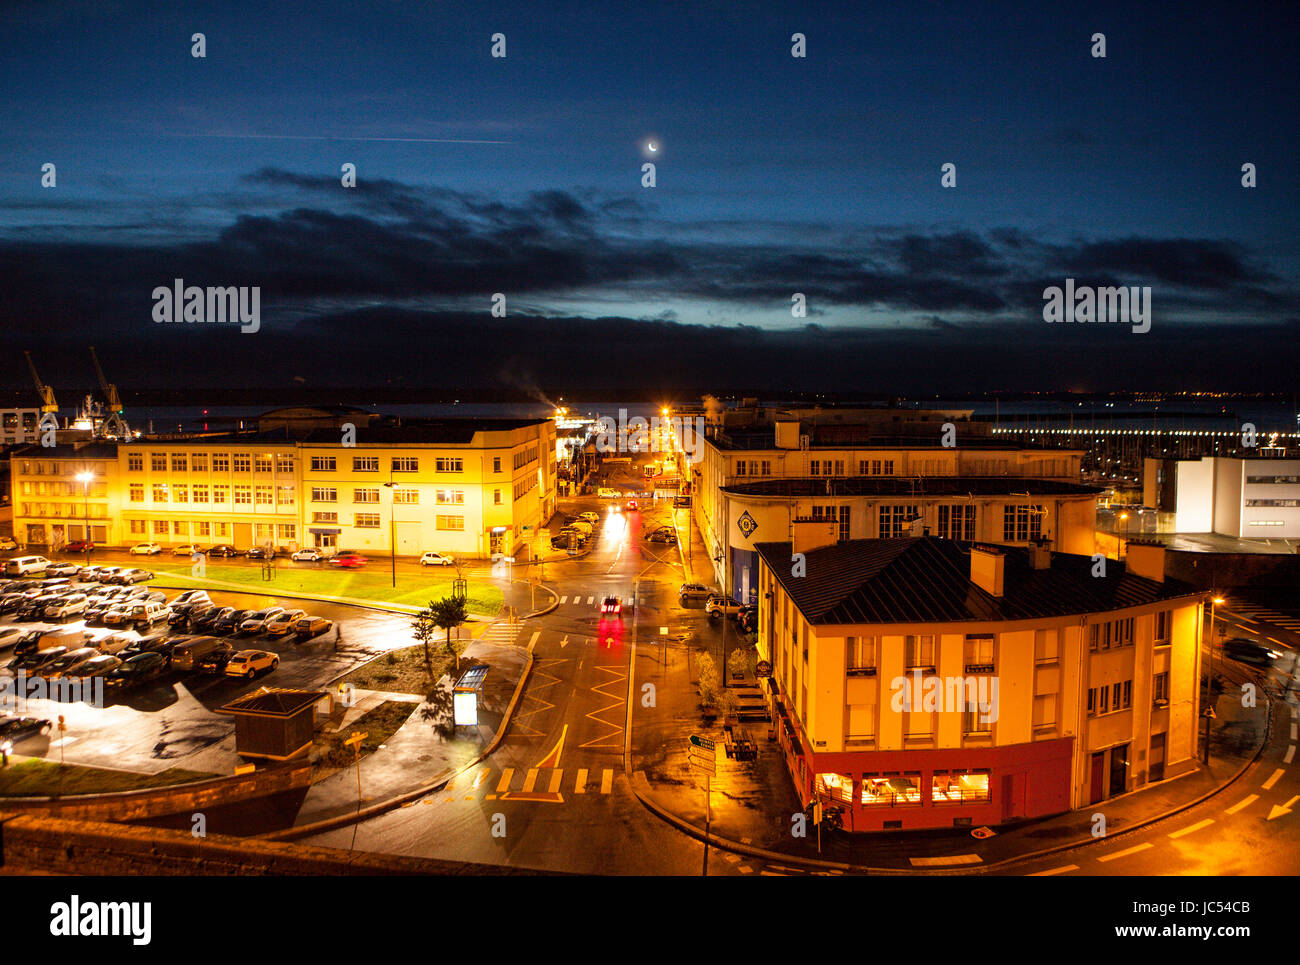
x,y
503,785
1183,832
530,780
1243,803
950,859
1278,810
564,599
553,758
606,781
1127,851
580,785
1290,754
533,642
1268,785
1055,871
590,600
1294,729
557,775
565,642
482,776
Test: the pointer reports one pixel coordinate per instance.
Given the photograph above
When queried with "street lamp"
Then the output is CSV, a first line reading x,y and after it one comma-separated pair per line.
x,y
86,478
392,526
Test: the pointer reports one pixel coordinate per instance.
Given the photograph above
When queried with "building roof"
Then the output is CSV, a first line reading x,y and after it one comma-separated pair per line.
x,y
927,580
763,438
272,702
910,486
410,432
90,450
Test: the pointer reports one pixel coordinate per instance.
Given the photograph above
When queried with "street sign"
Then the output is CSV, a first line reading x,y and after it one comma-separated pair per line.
x,y
707,765
703,742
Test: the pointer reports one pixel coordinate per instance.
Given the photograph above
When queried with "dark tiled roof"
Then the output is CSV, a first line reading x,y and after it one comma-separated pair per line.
x,y
759,438
927,486
272,702
90,450
426,432
927,580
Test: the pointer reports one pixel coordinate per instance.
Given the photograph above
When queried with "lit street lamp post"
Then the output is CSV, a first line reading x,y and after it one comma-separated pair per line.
x,y
392,526
86,478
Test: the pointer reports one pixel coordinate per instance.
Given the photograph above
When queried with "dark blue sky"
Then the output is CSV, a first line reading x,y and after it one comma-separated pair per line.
x,y
775,175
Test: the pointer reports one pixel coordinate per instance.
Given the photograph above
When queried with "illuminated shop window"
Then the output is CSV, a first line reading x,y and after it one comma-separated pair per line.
x,y
955,787
891,790
836,786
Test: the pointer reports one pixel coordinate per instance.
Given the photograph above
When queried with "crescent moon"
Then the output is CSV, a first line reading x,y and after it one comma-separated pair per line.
x,y
651,147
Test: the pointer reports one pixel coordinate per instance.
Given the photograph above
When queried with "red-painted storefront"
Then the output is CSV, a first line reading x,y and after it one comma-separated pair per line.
x,y
930,788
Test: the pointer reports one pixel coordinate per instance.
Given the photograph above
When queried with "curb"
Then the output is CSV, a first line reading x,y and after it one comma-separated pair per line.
x,y
739,848
402,608
373,810
555,603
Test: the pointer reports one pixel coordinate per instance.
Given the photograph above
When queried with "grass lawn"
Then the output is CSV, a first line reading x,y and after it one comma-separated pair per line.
x,y
366,584
378,725
401,671
41,778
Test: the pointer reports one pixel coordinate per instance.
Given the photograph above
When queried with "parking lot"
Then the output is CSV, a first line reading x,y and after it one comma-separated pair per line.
x,y
171,720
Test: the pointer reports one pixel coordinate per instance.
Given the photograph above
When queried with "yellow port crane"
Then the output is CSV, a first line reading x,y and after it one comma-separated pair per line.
x,y
46,393
110,390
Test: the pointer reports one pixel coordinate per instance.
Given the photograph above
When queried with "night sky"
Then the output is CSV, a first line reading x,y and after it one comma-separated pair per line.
x,y
775,175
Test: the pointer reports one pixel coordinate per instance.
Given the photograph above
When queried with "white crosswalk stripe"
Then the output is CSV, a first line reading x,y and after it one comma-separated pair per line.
x,y
536,781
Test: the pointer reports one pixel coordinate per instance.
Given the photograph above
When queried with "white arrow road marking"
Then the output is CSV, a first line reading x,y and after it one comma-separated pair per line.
x,y
1278,810
565,642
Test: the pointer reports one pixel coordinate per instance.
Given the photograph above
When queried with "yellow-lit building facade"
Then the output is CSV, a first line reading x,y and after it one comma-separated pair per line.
x,y
464,487
925,683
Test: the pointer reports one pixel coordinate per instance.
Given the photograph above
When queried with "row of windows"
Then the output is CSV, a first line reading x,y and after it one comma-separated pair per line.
x,y
69,510
1111,699
401,496
218,461
207,529
525,485
900,788
528,455
179,493
95,491
861,653
57,467
1115,633
1282,503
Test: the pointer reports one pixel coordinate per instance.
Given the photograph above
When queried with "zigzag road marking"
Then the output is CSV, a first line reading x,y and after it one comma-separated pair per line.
x,y
619,700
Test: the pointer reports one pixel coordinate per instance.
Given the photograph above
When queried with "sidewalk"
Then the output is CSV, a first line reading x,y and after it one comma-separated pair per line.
x,y
426,750
753,803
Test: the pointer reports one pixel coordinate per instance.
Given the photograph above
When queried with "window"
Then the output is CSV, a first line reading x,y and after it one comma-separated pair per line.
x,y
406,464
1164,626
179,462
324,494
262,463
918,652
891,790
158,461
204,529
1046,643
324,464
137,492
861,656
979,653
496,497
406,497
837,787
134,462
160,527
243,495
1160,688
159,492
365,495
1021,523
740,468
200,493
365,464
199,462
324,517
956,522
1045,711
221,494
956,787
287,530
138,525
451,522
448,464
221,462
814,467
1116,633
496,463
451,497
242,462
366,520
284,464
897,520
180,493
839,467
264,495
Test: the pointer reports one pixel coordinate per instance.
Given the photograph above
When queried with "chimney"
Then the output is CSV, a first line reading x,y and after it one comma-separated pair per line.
x,y
987,569
1040,554
1147,560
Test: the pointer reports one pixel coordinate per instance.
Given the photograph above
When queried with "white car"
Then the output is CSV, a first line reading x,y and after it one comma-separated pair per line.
x,y
146,549
185,549
23,565
66,607
436,559
309,554
63,569
589,517
7,543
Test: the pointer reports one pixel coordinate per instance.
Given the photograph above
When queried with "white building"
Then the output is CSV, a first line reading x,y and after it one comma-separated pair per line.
x,y
1242,498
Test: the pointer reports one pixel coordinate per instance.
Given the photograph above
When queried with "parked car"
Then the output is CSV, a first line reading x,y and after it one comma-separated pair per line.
x,y
131,576
580,526
694,591
256,621
216,659
1249,651
188,597
99,666
681,502
146,549
32,663
74,604
185,656
717,606
349,561
70,660
224,550
105,574
86,574
206,621
10,636
261,553
308,554
249,663
590,517
604,492
187,549
114,643
306,627
79,546
158,643
282,624
62,569
18,729
665,535
24,565
144,615
561,542
7,543
631,506
748,619
611,605
135,670
436,559
34,609
229,622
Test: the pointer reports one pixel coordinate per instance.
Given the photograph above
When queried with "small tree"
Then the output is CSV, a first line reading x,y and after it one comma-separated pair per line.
x,y
742,662
712,694
449,613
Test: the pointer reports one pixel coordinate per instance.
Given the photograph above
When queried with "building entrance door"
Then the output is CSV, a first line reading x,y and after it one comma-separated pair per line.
x,y
1118,770
1157,757
1096,786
